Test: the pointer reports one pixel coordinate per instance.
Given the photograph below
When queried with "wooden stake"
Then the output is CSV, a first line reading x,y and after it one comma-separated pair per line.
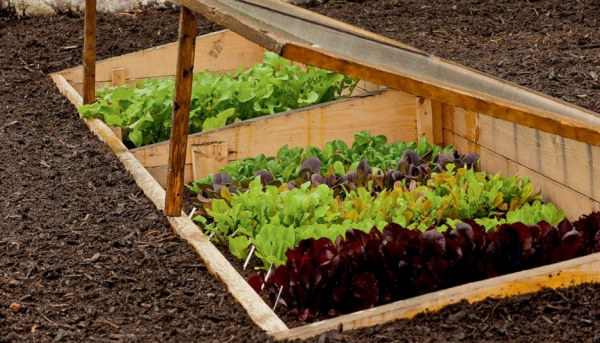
x,y
181,112
89,53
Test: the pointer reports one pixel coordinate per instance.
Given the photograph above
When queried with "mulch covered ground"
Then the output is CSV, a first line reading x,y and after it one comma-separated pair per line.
x,y
84,256
548,45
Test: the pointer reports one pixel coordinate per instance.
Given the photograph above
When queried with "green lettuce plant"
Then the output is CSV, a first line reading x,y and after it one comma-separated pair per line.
x,y
275,85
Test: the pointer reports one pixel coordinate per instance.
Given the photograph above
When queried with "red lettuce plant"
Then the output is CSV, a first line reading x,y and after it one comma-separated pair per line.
x,y
360,270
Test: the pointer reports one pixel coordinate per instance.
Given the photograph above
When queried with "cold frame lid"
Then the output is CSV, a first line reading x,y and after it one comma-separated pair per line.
x,y
310,38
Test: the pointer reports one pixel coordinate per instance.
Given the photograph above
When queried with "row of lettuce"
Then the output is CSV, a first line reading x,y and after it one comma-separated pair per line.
x,y
346,228
218,99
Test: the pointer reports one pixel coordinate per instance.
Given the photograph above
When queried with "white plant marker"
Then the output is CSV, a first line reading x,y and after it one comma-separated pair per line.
x,y
211,234
192,213
248,258
267,277
269,272
277,300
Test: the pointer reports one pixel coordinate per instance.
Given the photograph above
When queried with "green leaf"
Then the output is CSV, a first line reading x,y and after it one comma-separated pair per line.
x,y
339,168
238,246
219,120
311,98
114,120
136,137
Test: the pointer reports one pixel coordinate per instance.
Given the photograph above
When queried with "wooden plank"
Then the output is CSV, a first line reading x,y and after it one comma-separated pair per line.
x,y
424,114
117,131
89,52
391,113
222,51
207,159
117,77
438,134
448,137
573,203
214,261
493,163
464,146
346,51
64,87
429,120
568,273
574,164
160,174
462,122
181,112
118,80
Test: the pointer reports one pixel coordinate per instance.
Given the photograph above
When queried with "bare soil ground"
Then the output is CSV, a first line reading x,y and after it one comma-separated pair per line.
x,y
84,256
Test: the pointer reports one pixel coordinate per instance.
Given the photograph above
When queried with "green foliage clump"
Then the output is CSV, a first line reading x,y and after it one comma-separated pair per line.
x,y
275,85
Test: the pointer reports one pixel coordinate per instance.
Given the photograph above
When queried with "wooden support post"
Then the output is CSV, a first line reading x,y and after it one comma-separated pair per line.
x,y
181,112
117,80
429,120
89,53
207,159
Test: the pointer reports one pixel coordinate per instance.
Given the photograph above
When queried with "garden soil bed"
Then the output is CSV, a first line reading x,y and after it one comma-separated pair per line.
x,y
84,256
549,46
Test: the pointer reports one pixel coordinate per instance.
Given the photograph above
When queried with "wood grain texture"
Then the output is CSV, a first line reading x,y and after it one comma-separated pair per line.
x,y
438,134
385,112
207,159
215,262
574,164
573,203
501,158
573,272
65,88
219,52
584,127
89,52
424,115
117,77
181,112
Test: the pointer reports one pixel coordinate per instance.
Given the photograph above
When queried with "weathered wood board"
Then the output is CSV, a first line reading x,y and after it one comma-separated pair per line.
x,y
222,51
386,112
566,171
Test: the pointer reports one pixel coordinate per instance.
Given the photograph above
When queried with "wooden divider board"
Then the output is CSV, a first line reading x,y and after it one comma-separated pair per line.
x,y
387,112
222,51
563,169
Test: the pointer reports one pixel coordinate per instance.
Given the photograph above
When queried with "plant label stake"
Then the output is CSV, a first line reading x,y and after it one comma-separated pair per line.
x,y
192,213
89,52
249,256
181,112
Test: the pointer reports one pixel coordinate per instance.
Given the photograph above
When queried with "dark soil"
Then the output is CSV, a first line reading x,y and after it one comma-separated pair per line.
x,y
84,256
565,315
547,45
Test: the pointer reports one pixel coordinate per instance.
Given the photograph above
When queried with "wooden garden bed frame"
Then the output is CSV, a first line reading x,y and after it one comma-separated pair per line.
x,y
515,130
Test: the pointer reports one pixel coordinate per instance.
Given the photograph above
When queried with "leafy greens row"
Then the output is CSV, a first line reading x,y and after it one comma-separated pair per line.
x,y
369,159
275,85
275,219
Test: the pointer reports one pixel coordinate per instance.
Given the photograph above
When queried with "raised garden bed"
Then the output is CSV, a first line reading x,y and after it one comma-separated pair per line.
x,y
442,120
221,52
